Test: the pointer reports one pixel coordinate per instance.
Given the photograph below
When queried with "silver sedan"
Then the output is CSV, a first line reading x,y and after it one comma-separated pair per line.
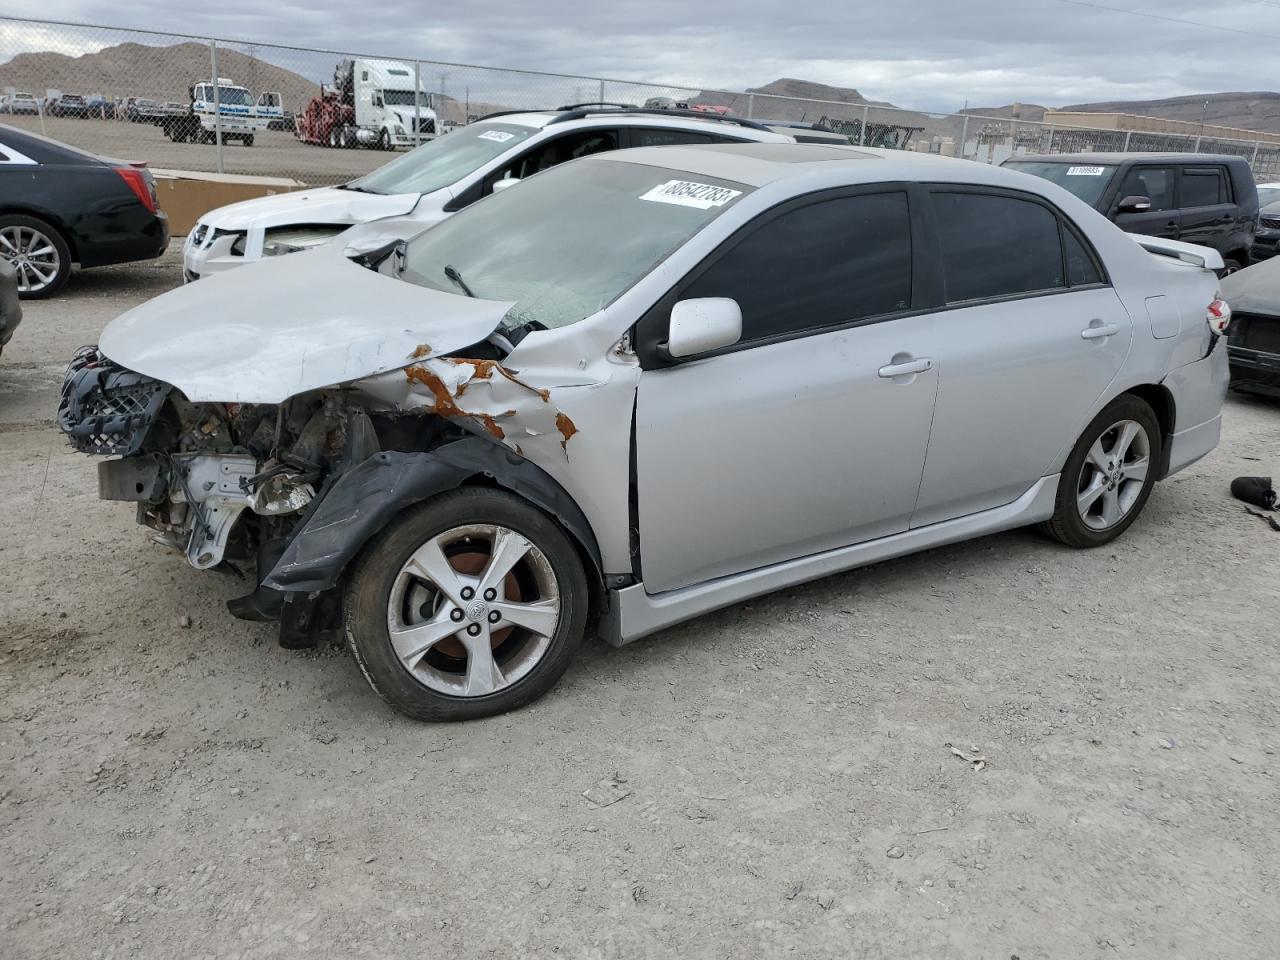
x,y
647,385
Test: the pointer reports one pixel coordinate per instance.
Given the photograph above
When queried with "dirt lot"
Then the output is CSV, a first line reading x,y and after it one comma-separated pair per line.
x,y
274,153
171,791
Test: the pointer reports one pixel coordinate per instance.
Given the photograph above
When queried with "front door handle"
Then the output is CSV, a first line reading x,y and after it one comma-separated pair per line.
x,y
1101,330
905,368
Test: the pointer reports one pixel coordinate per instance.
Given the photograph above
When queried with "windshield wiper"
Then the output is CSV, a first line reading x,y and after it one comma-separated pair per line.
x,y
452,273
353,187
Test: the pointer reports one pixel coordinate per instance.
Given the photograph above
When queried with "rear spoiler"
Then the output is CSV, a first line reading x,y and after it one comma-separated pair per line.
x,y
1190,253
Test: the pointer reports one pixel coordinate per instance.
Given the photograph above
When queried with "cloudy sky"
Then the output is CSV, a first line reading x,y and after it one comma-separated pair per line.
x,y
925,54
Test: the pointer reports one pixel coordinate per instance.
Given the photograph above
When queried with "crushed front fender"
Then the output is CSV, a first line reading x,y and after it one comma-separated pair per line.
x,y
365,498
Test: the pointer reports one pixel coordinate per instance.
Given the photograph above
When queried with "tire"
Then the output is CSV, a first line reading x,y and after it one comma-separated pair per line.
x,y
1230,265
1101,495
439,678
21,234
384,140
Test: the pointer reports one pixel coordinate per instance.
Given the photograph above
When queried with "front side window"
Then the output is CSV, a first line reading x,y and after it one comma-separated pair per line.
x,y
554,245
560,149
649,137
1204,187
996,246
445,160
826,263
1155,183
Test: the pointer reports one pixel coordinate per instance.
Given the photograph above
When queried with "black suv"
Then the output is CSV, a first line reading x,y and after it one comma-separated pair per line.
x,y
1200,198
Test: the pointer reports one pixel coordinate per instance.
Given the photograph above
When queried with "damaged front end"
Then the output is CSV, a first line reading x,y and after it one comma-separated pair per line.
x,y
294,489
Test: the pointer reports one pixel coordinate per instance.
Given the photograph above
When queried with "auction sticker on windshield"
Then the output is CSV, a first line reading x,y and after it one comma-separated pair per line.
x,y
1086,171
497,136
687,193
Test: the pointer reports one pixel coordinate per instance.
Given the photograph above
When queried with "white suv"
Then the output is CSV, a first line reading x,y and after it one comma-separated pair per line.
x,y
441,177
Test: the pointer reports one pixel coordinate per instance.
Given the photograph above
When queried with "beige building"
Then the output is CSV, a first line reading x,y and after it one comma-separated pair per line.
x,y
1139,124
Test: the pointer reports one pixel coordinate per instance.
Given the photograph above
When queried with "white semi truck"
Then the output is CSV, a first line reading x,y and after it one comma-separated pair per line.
x,y
373,103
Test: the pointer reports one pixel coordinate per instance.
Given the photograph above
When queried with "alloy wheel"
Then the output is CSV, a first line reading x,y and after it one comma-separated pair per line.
x,y
473,610
1113,474
32,254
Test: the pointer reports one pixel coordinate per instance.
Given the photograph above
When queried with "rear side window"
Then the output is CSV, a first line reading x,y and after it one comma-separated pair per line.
x,y
1204,187
647,137
996,246
1153,182
1081,267
823,264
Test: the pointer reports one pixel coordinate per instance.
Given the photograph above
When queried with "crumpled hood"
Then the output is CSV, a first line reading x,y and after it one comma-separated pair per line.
x,y
1255,289
272,330
321,205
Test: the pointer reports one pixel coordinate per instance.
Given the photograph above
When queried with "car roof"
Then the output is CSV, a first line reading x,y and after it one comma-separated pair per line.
x,y
710,122
1117,158
757,164
46,149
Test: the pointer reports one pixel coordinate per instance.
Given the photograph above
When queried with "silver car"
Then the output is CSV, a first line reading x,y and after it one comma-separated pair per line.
x,y
646,385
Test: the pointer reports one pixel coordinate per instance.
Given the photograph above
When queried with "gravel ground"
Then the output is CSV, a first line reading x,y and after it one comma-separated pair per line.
x,y
275,153
174,784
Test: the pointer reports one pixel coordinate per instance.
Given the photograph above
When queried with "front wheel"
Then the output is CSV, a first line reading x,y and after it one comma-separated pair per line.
x,y
384,140
1109,475
469,605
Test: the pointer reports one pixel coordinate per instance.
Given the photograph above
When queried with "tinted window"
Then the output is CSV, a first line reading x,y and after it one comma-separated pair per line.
x,y
1081,268
1204,187
826,263
557,151
996,246
646,137
1153,182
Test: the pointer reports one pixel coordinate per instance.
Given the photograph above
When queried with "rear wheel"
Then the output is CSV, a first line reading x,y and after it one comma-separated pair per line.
x,y
1108,476
38,252
471,604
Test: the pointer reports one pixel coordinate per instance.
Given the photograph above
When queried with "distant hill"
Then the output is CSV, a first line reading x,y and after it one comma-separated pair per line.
x,y
161,73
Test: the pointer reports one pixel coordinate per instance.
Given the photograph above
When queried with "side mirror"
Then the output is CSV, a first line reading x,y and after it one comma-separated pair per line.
x,y
1135,205
701,325
505,183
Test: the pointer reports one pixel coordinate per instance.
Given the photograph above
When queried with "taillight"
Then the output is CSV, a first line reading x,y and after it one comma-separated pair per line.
x,y
1219,316
138,183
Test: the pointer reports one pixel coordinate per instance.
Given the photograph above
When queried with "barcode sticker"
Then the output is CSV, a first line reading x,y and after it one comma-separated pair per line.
x,y
687,193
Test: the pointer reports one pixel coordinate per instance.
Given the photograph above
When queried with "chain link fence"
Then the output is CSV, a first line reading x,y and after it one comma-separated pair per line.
x,y
325,116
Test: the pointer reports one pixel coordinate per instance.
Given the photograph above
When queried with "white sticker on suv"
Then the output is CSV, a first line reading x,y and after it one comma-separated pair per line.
x,y
497,136
687,193
1085,171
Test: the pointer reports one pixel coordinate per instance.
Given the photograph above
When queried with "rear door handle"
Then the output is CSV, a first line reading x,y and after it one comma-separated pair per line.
x,y
906,368
1102,330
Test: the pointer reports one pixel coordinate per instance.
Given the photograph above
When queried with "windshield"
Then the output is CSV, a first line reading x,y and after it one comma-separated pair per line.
x,y
1086,181
1268,195
553,244
445,160
403,98
232,96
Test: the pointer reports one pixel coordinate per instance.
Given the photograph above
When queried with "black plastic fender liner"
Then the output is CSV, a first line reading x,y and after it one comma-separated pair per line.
x,y
365,498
